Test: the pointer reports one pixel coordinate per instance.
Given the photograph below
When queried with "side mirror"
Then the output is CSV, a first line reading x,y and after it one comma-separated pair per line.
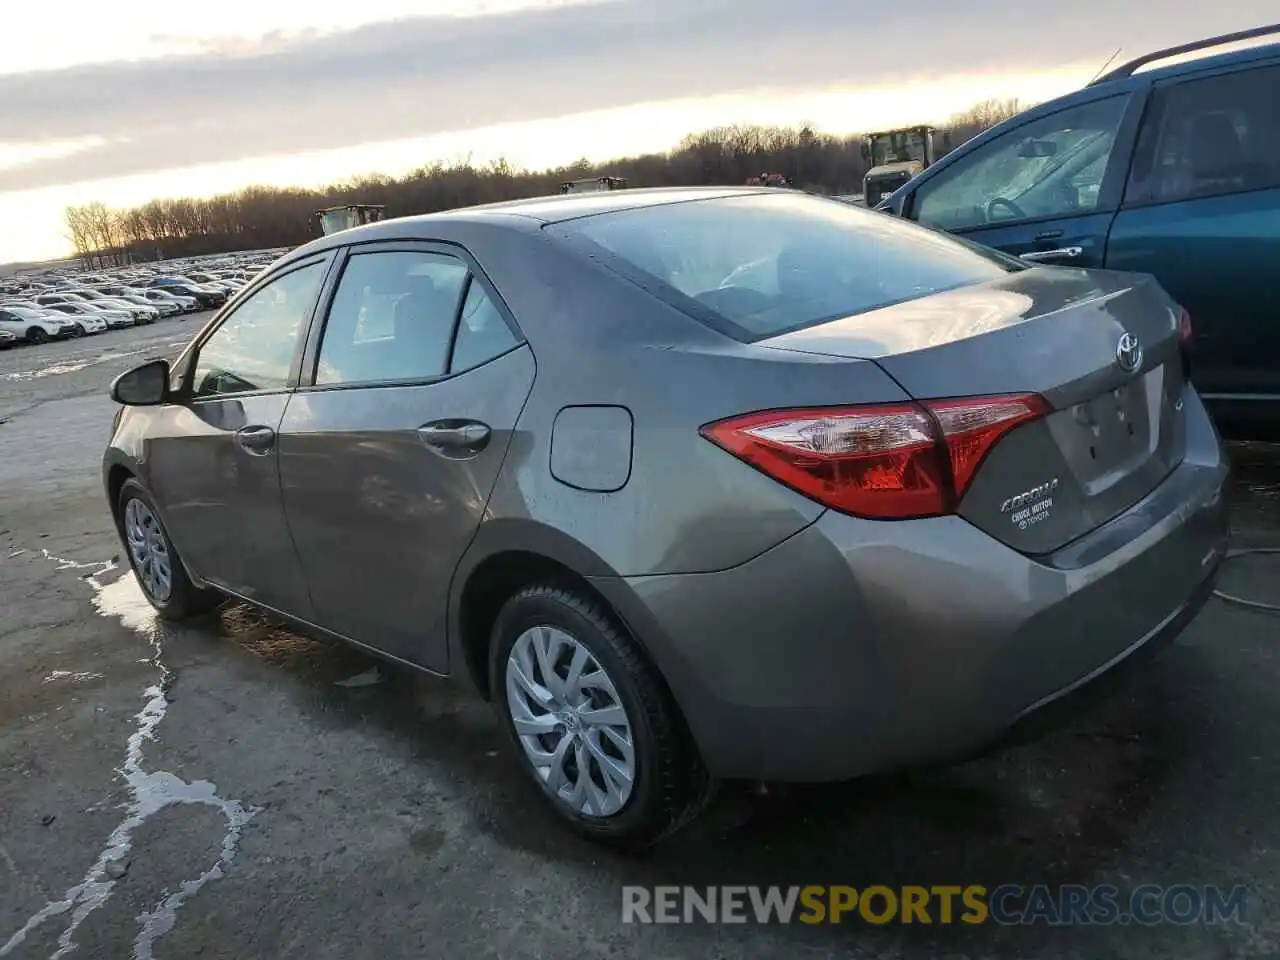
x,y
893,204
143,386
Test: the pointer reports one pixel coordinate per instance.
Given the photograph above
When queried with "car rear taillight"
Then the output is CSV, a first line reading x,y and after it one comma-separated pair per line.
x,y
1184,327
887,462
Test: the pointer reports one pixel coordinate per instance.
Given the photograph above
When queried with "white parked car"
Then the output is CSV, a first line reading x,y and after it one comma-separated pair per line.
x,y
83,324
35,327
160,295
166,308
140,314
81,309
7,339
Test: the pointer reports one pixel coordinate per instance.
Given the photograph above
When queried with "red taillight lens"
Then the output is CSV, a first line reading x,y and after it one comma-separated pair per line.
x,y
884,462
1184,327
971,427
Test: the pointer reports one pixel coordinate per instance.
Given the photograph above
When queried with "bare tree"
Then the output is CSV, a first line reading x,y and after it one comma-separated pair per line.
x,y
263,216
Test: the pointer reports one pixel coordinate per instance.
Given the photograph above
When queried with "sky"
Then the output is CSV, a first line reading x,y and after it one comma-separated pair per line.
x,y
126,102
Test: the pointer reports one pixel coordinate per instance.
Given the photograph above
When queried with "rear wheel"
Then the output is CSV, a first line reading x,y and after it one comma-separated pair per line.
x,y
591,720
37,335
154,560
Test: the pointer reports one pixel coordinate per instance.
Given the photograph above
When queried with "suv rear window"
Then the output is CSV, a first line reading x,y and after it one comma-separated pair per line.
x,y
757,265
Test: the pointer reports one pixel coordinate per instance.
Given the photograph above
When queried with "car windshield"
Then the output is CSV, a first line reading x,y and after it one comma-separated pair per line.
x,y
761,264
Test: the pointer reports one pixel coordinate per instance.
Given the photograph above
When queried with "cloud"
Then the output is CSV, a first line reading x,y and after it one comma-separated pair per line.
x,y
414,77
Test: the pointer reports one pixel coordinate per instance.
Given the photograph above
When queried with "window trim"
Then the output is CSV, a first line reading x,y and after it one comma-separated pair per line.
x,y
187,360
320,323
1164,84
1114,177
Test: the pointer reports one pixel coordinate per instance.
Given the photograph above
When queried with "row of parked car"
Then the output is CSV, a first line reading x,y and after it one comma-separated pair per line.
x,y
62,305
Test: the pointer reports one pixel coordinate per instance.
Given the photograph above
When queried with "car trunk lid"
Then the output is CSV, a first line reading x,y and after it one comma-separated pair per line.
x,y
1101,348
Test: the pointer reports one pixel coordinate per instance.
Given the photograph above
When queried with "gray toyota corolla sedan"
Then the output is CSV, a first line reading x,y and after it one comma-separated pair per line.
x,y
691,484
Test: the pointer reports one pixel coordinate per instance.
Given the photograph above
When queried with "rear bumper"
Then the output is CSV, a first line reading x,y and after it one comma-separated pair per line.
x,y
857,646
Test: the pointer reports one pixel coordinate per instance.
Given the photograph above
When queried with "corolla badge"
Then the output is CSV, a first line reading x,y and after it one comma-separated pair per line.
x,y
1038,492
1129,353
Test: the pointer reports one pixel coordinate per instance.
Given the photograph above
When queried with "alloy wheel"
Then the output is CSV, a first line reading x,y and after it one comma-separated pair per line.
x,y
570,721
149,550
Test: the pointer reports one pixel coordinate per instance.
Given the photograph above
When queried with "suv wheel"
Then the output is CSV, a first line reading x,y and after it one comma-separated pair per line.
x,y
154,560
37,335
591,721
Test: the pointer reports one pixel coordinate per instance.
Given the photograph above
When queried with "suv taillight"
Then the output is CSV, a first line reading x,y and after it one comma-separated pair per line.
x,y
885,462
1184,326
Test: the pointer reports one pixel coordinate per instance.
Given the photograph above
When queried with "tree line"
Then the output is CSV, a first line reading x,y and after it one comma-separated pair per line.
x,y
261,217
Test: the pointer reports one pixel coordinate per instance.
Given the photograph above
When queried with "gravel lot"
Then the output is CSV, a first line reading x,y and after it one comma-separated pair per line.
x,y
284,815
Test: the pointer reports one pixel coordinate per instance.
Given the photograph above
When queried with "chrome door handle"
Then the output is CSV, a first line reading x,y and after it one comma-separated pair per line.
x,y
1062,253
256,440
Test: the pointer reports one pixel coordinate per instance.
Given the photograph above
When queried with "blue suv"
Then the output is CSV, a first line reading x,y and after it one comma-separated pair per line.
x,y
1172,171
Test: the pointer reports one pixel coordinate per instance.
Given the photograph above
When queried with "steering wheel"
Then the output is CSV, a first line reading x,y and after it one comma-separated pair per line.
x,y
999,202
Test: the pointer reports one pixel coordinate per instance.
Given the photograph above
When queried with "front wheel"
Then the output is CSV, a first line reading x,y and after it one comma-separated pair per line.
x,y
37,335
154,560
78,330
591,720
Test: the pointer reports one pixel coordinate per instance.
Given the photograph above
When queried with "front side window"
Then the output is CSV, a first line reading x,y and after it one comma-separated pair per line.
x,y
1051,167
1209,137
761,264
392,318
253,348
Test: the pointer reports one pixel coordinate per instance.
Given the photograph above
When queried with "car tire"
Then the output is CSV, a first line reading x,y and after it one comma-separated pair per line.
x,y
150,552
77,331
37,335
668,785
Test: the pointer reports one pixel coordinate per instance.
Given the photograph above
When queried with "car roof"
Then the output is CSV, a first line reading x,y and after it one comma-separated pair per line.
x,y
534,211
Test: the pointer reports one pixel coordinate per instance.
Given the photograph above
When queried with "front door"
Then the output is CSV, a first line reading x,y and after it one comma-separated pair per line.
x,y
1045,190
387,460
1202,213
213,464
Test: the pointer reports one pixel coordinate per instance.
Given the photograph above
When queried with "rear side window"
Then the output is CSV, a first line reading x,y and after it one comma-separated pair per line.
x,y
758,265
1209,137
482,332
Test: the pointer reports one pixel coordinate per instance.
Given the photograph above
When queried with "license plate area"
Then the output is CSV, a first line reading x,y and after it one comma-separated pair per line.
x,y
1115,432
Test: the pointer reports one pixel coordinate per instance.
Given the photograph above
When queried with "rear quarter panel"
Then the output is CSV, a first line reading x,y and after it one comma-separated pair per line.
x,y
686,506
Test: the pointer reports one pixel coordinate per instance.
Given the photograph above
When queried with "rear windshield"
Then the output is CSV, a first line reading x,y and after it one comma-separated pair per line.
x,y
762,264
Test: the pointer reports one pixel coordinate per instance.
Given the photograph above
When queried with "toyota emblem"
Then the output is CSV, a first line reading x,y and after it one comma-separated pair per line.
x,y
1129,353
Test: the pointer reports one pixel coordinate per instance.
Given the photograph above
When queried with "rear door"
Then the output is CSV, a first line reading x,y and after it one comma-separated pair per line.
x,y
388,456
1202,213
1046,189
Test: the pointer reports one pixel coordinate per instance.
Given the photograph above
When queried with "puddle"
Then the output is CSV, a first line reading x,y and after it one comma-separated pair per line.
x,y
149,791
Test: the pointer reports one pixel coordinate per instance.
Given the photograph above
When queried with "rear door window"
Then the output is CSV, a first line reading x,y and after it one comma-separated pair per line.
x,y
757,265
1209,136
1050,167
392,318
